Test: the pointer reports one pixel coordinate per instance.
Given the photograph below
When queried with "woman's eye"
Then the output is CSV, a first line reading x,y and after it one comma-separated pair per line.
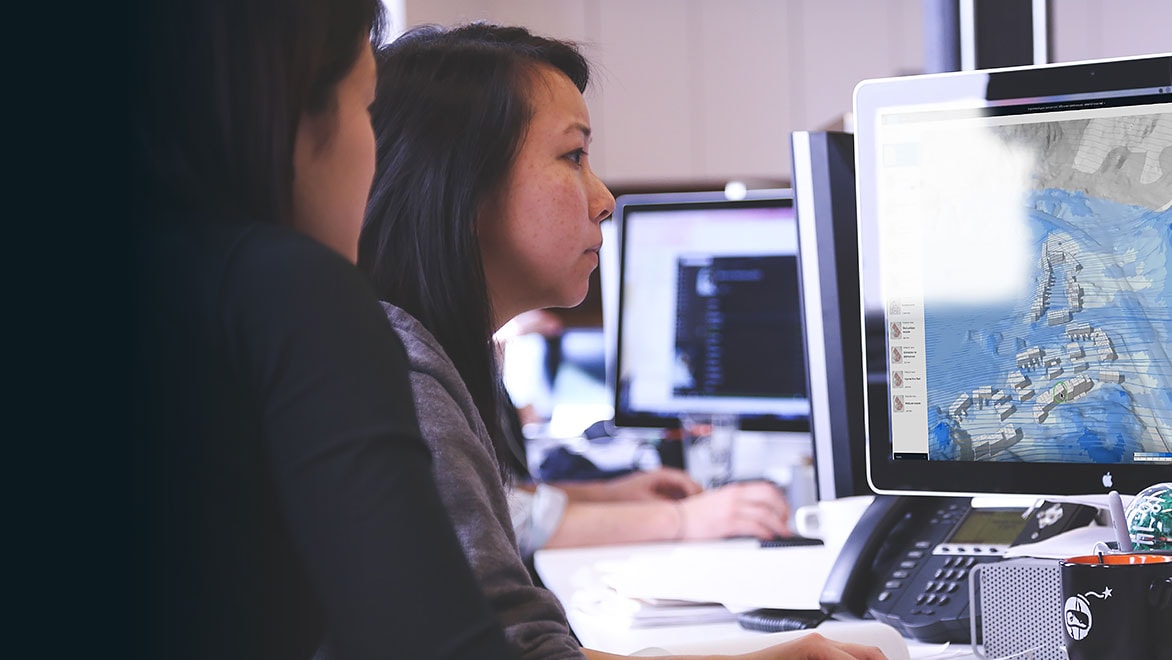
x,y
576,156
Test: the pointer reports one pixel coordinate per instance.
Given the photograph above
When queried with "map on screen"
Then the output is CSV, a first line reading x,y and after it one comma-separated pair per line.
x,y
1047,332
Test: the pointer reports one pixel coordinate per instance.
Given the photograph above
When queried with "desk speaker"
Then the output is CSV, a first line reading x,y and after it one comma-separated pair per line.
x,y
1021,608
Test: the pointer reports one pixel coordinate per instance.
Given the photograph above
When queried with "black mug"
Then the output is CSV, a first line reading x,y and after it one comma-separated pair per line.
x,y
671,452
1117,606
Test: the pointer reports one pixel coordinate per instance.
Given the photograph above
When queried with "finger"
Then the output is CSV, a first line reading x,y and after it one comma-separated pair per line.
x,y
773,525
861,651
815,646
767,497
758,521
766,518
850,650
762,489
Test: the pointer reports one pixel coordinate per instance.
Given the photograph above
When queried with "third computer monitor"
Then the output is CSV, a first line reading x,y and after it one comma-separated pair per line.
x,y
709,318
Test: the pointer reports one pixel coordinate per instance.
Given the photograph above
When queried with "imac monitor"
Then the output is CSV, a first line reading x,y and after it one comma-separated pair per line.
x,y
1016,240
708,312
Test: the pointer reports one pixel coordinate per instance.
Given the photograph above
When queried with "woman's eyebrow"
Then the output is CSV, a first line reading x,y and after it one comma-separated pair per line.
x,y
580,127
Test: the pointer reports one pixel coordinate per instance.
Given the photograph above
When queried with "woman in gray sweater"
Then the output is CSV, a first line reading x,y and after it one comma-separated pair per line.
x,y
484,206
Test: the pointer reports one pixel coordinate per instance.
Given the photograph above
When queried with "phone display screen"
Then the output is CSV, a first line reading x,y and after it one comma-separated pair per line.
x,y
993,526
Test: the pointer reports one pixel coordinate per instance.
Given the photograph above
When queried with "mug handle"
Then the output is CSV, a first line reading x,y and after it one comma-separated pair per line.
x,y
1160,594
806,521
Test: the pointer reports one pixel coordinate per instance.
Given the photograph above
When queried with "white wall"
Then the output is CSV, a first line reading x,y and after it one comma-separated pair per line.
x,y
1095,29
693,91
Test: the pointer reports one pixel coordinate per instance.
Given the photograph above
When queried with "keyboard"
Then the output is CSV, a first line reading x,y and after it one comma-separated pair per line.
x,y
789,542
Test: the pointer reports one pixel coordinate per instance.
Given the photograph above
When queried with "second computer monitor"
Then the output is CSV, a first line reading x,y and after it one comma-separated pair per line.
x,y
709,318
824,196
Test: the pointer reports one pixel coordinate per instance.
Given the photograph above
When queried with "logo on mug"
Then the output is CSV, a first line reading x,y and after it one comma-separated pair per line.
x,y
1077,614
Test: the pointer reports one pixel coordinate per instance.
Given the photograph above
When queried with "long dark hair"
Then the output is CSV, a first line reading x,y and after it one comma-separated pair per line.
x,y
218,88
450,113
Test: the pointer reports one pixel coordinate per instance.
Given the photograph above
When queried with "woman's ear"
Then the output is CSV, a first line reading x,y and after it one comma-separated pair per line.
x,y
488,209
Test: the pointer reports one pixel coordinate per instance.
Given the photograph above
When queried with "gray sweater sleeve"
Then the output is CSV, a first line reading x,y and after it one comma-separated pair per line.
x,y
465,470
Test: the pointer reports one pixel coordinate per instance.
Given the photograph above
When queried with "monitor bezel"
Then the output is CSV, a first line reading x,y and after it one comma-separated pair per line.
x,y
824,200
888,476
767,197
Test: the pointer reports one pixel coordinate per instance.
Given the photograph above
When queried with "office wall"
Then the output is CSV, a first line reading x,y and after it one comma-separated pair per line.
x,y
1095,29
703,91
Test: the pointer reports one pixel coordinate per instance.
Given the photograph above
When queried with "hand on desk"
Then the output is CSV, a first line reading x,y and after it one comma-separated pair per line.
x,y
658,484
816,647
811,646
666,505
751,508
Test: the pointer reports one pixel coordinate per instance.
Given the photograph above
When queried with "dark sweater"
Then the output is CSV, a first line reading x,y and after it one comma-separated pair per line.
x,y
282,491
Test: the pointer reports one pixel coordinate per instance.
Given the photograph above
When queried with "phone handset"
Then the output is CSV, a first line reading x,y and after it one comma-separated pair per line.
x,y
851,578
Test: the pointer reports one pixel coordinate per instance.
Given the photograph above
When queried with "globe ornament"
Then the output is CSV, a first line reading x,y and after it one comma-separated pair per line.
x,y
1149,518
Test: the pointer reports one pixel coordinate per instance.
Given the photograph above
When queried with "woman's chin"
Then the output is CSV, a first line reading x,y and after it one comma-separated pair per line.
x,y
568,301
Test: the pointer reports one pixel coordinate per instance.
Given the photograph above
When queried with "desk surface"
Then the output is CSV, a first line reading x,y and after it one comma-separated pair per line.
x,y
572,573
573,576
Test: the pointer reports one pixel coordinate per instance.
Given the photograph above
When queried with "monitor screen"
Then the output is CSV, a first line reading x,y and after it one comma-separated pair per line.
x,y
708,311
1016,240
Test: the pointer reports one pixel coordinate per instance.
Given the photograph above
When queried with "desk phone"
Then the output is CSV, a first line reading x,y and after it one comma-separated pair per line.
x,y
907,562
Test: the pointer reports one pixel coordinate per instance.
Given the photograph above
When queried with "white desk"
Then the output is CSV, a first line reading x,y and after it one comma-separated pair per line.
x,y
573,576
573,571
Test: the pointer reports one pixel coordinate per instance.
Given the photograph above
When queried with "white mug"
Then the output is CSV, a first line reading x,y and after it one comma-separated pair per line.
x,y
831,520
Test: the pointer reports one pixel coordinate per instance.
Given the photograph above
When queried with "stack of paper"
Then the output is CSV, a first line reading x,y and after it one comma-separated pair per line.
x,y
638,613
739,579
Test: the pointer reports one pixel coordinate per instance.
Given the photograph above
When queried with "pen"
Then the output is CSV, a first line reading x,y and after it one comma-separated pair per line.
x,y
1119,522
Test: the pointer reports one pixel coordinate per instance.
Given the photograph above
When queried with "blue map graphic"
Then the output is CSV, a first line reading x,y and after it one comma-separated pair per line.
x,y
1079,369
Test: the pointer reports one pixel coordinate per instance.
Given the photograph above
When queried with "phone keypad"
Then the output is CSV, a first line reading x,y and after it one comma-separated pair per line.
x,y
946,580
923,590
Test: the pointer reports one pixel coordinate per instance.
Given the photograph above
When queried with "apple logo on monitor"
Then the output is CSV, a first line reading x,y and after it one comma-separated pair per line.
x,y
1107,480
